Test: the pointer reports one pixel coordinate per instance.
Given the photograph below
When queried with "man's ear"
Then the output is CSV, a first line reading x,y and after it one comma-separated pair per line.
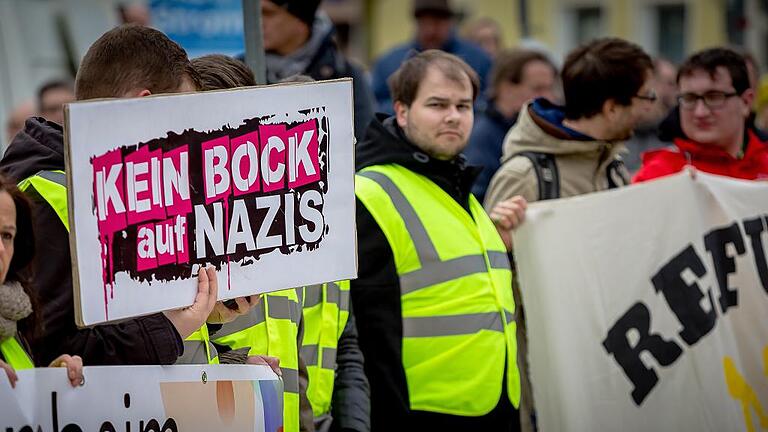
x,y
137,92
144,92
401,114
748,97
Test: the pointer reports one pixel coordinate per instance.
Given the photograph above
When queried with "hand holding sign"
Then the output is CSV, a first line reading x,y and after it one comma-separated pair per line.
x,y
187,320
227,311
74,365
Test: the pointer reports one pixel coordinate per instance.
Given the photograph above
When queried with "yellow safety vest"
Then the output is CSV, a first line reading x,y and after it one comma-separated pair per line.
x,y
15,355
326,310
456,293
51,186
272,329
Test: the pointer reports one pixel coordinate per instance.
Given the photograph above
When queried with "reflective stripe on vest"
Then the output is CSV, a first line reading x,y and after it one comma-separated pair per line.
x,y
198,348
271,329
15,355
326,311
52,187
456,293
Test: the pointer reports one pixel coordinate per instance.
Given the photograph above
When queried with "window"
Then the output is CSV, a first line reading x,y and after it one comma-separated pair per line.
x,y
588,24
671,32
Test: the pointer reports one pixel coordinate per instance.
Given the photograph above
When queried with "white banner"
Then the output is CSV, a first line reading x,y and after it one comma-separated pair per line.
x,y
257,181
647,307
144,398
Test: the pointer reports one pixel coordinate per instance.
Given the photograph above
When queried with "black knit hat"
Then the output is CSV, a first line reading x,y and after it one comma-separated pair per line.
x,y
301,9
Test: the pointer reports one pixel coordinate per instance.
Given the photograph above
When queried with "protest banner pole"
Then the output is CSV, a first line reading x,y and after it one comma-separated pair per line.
x,y
254,41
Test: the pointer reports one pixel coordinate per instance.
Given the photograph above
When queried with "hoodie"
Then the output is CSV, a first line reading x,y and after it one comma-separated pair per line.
x,y
376,291
585,164
146,340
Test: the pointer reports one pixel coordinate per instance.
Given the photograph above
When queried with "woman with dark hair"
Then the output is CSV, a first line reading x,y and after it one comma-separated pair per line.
x,y
17,320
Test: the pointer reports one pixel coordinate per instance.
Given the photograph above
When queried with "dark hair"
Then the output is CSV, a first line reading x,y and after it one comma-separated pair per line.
x,y
130,57
709,60
23,252
604,69
509,65
404,83
55,84
218,72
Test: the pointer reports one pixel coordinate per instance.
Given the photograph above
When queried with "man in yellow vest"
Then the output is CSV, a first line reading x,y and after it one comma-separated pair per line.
x,y
128,61
434,308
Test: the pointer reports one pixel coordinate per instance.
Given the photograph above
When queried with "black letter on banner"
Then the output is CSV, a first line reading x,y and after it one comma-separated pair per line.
x,y
715,242
684,299
628,357
754,228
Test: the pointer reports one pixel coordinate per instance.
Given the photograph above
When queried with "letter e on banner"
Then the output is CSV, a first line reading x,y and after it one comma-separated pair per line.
x,y
143,186
303,154
109,191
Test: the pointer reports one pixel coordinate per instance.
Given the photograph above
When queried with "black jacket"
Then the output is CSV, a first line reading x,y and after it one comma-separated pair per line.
x,y
147,340
376,291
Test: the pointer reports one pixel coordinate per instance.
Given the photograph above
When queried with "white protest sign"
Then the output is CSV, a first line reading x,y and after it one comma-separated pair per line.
x,y
647,307
256,181
144,398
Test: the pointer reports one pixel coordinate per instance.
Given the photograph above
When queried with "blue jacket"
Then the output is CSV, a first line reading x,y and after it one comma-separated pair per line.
x,y
388,63
485,146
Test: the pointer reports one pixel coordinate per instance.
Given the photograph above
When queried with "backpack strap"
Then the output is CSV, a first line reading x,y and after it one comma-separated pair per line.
x,y
547,173
615,172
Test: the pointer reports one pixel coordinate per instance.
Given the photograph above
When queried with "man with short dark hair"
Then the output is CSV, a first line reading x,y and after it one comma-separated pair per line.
x,y
714,135
36,158
435,29
434,311
562,151
51,99
517,77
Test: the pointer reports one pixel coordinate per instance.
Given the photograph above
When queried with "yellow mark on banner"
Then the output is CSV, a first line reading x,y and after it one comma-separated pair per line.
x,y
740,390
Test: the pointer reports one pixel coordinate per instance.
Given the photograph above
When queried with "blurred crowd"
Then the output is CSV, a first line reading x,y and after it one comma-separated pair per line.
x,y
455,135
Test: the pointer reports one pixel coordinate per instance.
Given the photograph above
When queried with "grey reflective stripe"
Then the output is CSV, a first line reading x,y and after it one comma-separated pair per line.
x,y
344,301
433,270
194,353
451,325
283,308
300,295
313,295
309,354
329,359
433,273
290,380
424,246
332,293
499,260
254,317
56,177
510,316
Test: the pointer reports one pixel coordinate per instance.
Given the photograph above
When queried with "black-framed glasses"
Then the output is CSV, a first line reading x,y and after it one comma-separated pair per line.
x,y
712,99
650,97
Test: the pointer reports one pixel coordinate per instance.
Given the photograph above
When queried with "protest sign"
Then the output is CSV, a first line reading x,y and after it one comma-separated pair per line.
x,y
646,306
258,182
144,398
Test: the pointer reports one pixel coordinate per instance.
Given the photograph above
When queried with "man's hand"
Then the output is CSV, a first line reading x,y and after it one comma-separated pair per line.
x,y
508,215
272,362
74,365
187,320
222,314
12,377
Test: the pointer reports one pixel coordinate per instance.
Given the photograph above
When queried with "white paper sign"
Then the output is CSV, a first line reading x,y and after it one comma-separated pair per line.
x,y
144,398
647,307
257,181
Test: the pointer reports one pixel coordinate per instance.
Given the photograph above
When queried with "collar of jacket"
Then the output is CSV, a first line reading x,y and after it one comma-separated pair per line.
x,y
385,143
753,148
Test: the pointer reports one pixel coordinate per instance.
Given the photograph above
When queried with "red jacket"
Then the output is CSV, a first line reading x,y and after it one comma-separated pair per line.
x,y
658,163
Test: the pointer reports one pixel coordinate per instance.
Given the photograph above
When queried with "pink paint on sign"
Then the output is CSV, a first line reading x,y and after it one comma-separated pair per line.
x,y
216,179
245,164
303,154
272,159
146,249
144,186
109,192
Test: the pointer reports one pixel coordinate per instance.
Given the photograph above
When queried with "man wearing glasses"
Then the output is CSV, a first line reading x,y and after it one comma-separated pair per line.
x,y
714,105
